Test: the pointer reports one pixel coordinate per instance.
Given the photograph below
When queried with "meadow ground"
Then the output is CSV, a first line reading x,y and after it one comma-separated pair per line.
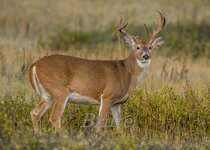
x,y
169,110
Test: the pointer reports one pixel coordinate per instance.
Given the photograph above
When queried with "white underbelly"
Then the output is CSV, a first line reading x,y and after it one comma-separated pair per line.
x,y
79,99
123,99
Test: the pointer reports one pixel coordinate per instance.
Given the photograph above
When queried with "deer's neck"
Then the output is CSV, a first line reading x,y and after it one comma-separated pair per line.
x,y
136,69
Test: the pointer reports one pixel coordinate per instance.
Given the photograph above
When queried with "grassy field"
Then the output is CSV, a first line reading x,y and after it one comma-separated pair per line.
x,y
169,110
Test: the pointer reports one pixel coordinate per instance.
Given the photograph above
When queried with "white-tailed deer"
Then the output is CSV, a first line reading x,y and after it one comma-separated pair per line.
x,y
59,79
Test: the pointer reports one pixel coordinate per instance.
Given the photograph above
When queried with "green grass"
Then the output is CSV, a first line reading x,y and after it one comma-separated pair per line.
x,y
163,119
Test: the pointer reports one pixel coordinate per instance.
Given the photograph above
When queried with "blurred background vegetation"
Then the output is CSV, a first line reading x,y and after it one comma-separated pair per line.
x,y
60,25
171,107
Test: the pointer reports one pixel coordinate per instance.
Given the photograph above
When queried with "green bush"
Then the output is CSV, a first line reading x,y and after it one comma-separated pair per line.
x,y
63,39
159,118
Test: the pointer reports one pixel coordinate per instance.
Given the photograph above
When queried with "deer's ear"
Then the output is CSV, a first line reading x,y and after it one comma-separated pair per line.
x,y
158,42
130,40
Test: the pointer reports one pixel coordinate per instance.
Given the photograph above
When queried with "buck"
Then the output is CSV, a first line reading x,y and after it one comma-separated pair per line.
x,y
59,79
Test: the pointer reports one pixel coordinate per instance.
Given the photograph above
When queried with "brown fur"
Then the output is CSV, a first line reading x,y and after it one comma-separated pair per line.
x,y
61,75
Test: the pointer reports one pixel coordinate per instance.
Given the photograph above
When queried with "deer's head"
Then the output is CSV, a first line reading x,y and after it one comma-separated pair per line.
x,y
141,47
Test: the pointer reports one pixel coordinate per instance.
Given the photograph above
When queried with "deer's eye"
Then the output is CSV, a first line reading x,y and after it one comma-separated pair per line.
x,y
150,47
138,47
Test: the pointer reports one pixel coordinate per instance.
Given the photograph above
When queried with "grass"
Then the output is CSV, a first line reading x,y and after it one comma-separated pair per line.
x,y
176,121
188,38
169,110
44,16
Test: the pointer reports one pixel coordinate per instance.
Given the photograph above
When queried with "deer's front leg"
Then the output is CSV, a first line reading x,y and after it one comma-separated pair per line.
x,y
103,111
116,113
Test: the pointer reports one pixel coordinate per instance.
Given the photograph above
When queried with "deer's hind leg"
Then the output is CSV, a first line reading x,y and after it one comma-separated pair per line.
x,y
38,111
43,105
60,101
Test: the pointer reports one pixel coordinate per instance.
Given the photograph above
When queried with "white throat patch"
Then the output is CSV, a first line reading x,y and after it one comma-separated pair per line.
x,y
143,65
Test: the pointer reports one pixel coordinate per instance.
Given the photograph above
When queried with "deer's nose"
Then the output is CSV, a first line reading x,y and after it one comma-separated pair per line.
x,y
146,56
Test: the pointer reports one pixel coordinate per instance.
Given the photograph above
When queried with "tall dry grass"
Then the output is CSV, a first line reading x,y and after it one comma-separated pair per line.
x,y
173,71
170,109
28,19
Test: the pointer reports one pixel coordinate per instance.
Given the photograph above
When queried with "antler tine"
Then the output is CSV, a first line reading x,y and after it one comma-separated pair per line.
x,y
160,27
120,29
147,31
153,26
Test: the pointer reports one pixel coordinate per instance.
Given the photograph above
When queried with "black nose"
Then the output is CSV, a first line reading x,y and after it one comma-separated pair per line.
x,y
146,56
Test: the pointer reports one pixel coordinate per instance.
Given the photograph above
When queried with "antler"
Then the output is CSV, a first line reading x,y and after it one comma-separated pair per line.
x,y
122,27
129,39
147,31
161,25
